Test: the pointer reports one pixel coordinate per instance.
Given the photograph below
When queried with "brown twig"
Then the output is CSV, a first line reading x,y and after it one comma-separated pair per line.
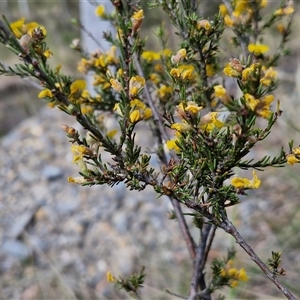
x,y
195,279
184,228
207,236
227,226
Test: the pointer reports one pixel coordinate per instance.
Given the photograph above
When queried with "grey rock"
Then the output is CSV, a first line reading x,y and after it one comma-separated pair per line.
x,y
51,172
16,248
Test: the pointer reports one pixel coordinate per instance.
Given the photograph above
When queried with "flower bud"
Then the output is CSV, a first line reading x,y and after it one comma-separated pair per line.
x,y
236,65
137,19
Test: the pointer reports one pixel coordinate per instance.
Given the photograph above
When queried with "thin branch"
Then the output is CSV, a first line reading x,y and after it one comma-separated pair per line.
x,y
194,281
210,239
201,257
184,228
227,226
175,295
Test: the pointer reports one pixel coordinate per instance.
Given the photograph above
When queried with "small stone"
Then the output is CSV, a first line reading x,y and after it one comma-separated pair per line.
x,y
67,207
120,221
52,172
16,248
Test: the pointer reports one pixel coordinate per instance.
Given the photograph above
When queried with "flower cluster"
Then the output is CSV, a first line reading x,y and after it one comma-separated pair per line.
x,y
293,157
233,275
244,183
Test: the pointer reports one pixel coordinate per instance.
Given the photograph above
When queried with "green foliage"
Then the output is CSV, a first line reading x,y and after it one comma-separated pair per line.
x,y
132,283
275,262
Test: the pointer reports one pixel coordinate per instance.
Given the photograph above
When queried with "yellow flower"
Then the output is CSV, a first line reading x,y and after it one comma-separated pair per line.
x,y
234,68
183,72
100,11
251,101
223,10
102,60
245,183
257,49
292,159
220,91
228,21
19,28
233,272
294,156
101,80
77,180
242,275
118,109
263,3
57,69
84,65
33,26
181,127
159,68
241,7
172,145
263,107
166,52
233,275
110,277
179,56
136,20
191,107
76,89
139,111
164,91
116,85
281,29
147,113
45,94
47,53
85,94
231,72
135,85
288,10
210,70
150,56
86,109
209,122
112,133
78,152
138,15
249,72
269,76
135,116
81,149
296,151
155,78
234,283
203,24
